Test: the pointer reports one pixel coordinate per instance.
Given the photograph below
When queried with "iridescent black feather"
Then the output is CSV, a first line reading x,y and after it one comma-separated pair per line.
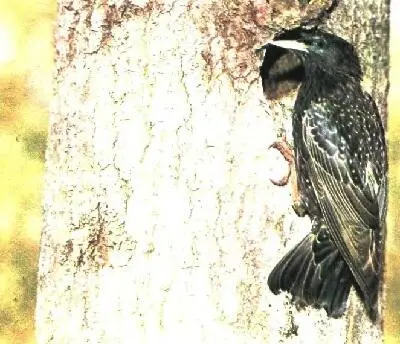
x,y
341,165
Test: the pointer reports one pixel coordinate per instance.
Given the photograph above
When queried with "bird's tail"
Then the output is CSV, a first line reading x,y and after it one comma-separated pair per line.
x,y
315,273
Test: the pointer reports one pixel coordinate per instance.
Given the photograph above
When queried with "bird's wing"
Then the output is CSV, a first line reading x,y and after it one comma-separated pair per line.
x,y
348,191
314,272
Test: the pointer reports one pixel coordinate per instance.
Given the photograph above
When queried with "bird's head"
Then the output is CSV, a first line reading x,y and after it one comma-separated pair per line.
x,y
320,49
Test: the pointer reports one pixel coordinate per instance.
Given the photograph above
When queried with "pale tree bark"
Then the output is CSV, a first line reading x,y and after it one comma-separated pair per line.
x,y
161,224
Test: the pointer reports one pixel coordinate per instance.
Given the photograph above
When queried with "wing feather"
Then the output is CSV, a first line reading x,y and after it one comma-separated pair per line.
x,y
350,197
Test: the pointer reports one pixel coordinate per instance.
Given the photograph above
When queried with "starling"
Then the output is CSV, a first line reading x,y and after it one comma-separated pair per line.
x,y
341,167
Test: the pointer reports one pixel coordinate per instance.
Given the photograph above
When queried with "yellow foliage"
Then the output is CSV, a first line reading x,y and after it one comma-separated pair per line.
x,y
25,89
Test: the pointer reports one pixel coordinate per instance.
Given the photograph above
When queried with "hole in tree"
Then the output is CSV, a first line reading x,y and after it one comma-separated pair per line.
x,y
281,72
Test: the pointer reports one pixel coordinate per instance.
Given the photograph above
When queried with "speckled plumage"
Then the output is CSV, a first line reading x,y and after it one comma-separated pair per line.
x,y
341,165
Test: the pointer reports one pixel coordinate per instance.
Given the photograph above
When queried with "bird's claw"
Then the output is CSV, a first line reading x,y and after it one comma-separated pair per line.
x,y
283,181
285,150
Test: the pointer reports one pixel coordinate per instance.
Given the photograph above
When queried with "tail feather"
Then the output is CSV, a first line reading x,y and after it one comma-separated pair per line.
x,y
314,273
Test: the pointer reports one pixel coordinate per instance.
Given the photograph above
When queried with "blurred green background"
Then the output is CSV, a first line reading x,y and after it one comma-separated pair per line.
x,y
26,59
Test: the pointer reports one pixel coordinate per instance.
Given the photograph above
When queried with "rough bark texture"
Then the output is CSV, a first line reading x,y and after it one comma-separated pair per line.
x,y
160,220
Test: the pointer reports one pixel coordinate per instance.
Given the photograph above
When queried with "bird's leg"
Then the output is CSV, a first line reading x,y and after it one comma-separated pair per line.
x,y
298,205
287,152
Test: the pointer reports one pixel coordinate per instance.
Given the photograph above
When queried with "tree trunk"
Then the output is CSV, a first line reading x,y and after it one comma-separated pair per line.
x,y
161,223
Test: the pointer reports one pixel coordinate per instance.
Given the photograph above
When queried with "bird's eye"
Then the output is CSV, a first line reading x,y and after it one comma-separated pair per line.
x,y
318,43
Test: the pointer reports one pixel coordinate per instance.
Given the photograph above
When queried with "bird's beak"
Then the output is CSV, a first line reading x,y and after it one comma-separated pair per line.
x,y
288,44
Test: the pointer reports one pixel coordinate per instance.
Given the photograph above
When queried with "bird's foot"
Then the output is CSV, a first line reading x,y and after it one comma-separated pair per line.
x,y
298,205
284,148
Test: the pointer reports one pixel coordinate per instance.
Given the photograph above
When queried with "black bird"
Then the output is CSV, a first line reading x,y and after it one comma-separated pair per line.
x,y
341,166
